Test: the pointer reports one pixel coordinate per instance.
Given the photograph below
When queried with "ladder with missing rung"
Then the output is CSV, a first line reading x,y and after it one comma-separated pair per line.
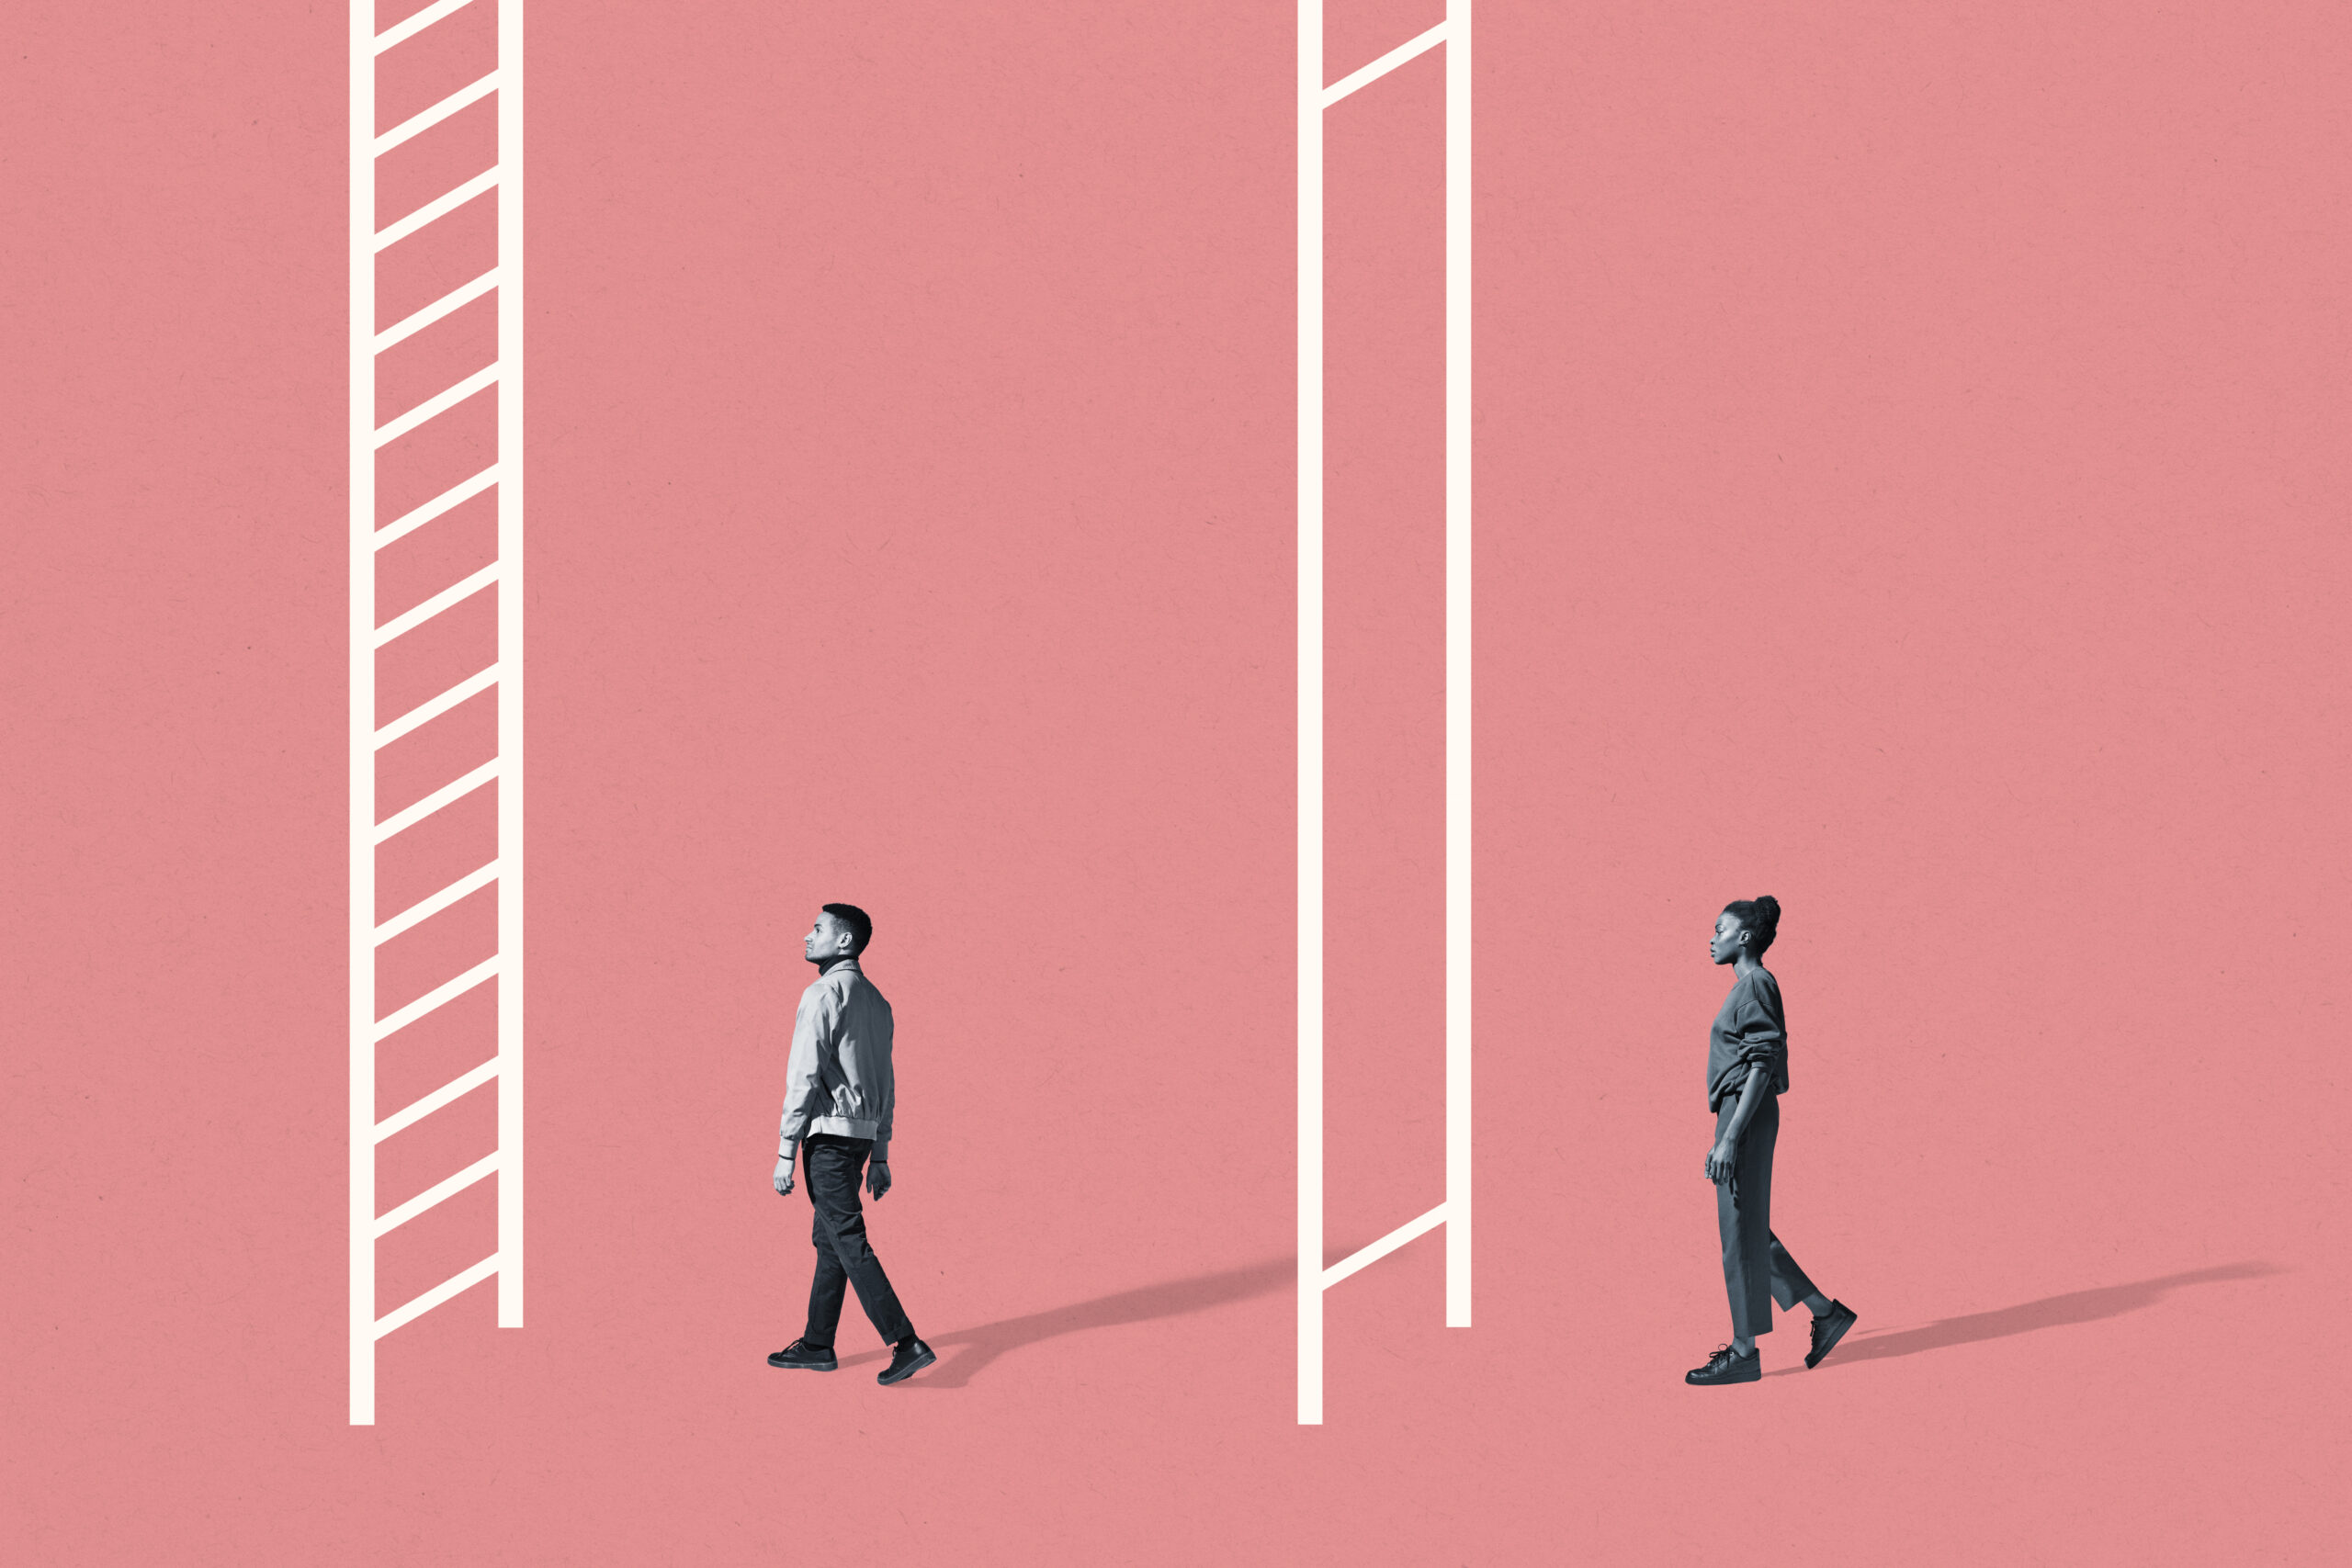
x,y
369,1028
1454,1214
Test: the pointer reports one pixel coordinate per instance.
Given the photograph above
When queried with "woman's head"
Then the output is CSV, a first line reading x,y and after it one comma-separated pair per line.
x,y
1746,924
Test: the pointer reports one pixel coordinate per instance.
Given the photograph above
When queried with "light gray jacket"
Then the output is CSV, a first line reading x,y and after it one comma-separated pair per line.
x,y
837,1079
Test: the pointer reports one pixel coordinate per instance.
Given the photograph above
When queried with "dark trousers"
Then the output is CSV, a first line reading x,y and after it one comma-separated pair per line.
x,y
1758,1270
834,1166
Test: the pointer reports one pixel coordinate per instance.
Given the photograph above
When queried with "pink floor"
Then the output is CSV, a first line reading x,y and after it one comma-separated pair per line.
x,y
1911,482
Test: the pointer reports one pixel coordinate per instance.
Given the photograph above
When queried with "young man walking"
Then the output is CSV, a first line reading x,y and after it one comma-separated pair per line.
x,y
838,1099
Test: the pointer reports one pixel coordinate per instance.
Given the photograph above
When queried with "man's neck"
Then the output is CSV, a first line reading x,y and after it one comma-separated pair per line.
x,y
826,965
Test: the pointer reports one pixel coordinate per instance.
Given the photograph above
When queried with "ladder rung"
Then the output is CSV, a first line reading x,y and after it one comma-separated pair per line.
x,y
401,31
1410,1229
408,621
416,322
440,996
439,207
455,495
435,1194
417,124
439,403
437,1295
427,712
411,815
1384,65
425,909
456,1088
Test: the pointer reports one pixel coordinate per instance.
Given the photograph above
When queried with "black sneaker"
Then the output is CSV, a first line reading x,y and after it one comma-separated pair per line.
x,y
1829,1328
807,1357
906,1361
1727,1365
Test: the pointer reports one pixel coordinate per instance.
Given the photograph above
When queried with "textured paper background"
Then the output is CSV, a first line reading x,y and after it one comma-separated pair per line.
x,y
1910,482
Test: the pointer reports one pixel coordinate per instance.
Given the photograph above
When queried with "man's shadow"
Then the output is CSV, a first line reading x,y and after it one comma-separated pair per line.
x,y
2050,1311
976,1347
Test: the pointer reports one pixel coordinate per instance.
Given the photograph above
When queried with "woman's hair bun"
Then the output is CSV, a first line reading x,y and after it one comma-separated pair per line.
x,y
1762,917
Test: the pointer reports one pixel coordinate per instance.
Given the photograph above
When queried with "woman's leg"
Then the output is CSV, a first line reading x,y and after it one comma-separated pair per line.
x,y
1744,1217
1790,1284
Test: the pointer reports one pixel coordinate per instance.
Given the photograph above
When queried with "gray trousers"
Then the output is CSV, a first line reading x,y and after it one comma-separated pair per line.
x,y
1758,1270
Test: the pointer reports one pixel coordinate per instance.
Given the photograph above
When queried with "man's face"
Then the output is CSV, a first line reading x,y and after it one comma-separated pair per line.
x,y
827,939
1728,939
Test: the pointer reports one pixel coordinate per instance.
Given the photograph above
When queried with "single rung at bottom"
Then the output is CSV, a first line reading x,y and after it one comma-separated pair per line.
x,y
1383,1246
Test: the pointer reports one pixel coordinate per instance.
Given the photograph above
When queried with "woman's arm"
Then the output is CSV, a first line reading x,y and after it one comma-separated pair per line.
x,y
1725,1153
1760,1084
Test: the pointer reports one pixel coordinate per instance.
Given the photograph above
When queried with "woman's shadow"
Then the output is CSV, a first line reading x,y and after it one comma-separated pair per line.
x,y
2050,1311
974,1349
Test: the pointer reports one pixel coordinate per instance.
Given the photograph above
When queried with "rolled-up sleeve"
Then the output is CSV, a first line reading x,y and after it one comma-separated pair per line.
x,y
1762,1040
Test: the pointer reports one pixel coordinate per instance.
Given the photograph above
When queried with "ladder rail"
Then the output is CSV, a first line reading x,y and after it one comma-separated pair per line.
x,y
509,660
503,377
1454,1212
363,714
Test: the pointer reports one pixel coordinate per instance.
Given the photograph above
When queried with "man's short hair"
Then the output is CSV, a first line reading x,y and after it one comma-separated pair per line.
x,y
854,920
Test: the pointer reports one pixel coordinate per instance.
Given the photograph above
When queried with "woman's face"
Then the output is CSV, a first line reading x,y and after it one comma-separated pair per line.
x,y
1730,937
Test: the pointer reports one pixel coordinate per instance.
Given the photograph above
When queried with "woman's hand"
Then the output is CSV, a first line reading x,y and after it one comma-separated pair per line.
x,y
1721,1159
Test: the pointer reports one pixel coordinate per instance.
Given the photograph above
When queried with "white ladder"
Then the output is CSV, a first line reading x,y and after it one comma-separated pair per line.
x,y
1454,1214
504,676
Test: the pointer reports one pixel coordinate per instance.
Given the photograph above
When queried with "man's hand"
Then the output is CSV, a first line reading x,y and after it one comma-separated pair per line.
x,y
1721,1161
878,1177
783,1180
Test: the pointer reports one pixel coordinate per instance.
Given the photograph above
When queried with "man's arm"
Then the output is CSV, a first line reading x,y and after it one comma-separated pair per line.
x,y
803,1086
886,1089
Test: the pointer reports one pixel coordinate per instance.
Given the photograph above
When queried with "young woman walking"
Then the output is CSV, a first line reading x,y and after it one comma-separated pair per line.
x,y
1748,1071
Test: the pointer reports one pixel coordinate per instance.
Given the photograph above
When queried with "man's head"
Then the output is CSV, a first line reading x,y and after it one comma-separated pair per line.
x,y
841,932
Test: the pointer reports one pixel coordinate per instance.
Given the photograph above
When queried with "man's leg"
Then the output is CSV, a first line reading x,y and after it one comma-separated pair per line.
x,y
830,1282
834,1167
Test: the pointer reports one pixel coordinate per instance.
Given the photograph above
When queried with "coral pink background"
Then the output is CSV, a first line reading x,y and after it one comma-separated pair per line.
x,y
1911,482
